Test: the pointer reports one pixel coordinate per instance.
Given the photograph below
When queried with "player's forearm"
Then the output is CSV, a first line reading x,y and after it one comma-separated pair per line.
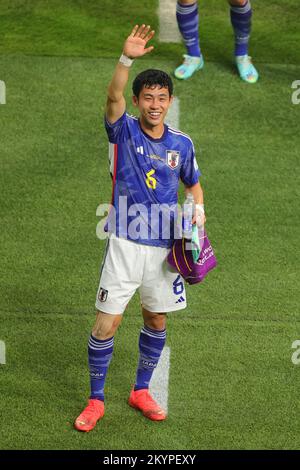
x,y
118,83
197,193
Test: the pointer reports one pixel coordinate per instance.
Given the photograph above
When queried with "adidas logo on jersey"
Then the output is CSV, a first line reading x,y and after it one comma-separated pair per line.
x,y
181,299
140,150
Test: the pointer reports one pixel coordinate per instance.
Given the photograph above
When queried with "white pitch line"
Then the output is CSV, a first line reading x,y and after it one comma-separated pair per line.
x,y
2,92
159,385
172,117
2,353
168,29
168,32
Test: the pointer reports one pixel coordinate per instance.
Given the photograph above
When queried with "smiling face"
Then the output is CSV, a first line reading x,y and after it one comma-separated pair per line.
x,y
153,103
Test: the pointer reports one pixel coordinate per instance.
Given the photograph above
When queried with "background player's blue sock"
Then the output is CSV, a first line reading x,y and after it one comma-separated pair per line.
x,y
188,23
241,23
100,354
151,344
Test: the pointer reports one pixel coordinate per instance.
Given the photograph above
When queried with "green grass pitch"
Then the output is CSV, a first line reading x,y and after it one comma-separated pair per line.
x,y
232,382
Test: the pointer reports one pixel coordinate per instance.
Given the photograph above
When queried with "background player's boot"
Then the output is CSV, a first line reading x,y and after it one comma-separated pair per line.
x,y
246,69
88,419
190,65
142,400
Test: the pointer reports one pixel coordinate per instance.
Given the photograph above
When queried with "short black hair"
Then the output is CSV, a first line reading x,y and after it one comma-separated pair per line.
x,y
150,78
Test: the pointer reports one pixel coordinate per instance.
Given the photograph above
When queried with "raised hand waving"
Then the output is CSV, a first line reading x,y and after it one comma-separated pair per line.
x,y
135,44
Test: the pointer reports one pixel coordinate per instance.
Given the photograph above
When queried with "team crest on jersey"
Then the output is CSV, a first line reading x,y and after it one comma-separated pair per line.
x,y
102,296
173,158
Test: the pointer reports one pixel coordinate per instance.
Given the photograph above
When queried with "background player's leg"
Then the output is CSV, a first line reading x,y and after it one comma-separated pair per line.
x,y
188,24
240,15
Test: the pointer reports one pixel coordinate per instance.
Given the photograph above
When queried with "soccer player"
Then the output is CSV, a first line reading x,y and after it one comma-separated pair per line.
x,y
148,159
188,23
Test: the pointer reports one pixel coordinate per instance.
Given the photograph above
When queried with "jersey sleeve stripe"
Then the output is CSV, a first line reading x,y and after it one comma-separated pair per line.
x,y
176,132
115,163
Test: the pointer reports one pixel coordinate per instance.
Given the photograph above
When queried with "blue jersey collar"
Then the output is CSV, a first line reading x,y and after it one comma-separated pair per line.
x,y
163,137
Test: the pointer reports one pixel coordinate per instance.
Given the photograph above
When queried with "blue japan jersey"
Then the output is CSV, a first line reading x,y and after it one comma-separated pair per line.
x,y
146,174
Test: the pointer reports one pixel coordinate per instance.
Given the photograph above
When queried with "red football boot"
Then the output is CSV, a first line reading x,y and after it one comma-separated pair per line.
x,y
88,419
142,400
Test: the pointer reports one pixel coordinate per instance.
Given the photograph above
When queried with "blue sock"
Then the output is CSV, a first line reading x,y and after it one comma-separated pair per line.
x,y
188,24
151,344
100,354
241,23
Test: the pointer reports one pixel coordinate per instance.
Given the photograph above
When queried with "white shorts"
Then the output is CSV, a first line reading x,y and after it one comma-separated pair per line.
x,y
128,266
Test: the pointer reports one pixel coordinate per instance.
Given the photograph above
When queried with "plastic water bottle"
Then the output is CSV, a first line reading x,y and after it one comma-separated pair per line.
x,y
187,217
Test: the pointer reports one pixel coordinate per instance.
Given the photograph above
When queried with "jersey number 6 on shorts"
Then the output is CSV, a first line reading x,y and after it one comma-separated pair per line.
x,y
178,285
151,181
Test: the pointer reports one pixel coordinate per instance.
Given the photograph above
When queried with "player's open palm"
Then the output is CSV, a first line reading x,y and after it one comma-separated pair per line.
x,y
135,44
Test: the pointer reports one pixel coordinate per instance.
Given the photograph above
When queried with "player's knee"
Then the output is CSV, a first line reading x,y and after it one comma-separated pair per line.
x,y
155,321
237,2
187,2
106,325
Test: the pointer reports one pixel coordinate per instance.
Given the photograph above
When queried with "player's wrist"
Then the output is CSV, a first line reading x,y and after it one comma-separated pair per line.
x,y
125,60
199,209
199,215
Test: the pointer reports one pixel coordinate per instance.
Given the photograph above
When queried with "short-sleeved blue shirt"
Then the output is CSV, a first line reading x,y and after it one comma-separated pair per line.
x,y
146,174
